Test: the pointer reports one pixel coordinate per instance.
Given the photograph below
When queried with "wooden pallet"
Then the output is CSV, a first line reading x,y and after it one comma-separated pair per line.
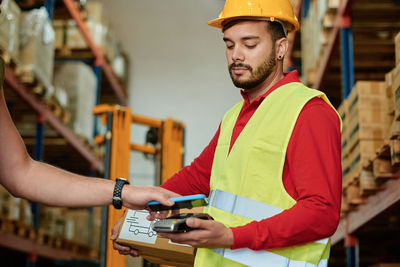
x,y
7,225
25,231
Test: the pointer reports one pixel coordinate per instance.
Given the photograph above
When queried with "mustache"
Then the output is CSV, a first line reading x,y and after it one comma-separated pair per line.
x,y
240,65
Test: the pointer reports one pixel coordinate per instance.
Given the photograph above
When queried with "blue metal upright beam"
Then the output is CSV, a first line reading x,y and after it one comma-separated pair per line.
x,y
49,5
347,56
97,73
351,244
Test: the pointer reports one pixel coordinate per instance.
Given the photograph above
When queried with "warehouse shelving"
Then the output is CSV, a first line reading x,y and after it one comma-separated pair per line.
x,y
60,134
342,13
11,79
363,30
18,243
99,58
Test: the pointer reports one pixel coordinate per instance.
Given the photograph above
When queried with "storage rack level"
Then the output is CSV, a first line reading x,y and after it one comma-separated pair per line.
x,y
66,136
360,46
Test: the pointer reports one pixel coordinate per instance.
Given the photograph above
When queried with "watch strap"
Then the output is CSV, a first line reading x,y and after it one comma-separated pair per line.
x,y
117,200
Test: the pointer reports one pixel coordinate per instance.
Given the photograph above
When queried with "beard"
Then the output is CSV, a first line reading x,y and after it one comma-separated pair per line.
x,y
261,73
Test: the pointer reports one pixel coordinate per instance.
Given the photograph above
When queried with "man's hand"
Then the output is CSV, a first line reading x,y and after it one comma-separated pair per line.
x,y
123,250
136,197
208,234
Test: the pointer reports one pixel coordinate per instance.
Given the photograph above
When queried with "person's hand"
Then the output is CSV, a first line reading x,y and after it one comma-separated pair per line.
x,y
209,234
136,197
123,250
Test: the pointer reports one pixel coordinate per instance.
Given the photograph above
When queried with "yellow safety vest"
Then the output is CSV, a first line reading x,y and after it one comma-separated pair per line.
x,y
246,184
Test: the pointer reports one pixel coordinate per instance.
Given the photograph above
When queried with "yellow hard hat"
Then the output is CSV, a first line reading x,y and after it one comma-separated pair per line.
x,y
280,10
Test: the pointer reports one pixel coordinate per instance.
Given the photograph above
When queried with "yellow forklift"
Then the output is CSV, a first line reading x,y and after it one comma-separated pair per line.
x,y
167,146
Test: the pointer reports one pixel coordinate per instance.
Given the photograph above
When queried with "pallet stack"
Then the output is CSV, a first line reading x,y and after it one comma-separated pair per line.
x,y
393,89
371,143
76,230
37,49
366,126
68,37
80,86
9,31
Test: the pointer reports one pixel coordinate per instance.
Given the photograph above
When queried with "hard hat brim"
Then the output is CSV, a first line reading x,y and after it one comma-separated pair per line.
x,y
219,22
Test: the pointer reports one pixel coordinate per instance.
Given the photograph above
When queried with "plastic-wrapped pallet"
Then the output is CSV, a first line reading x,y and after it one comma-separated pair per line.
x,y
69,36
80,84
36,47
9,27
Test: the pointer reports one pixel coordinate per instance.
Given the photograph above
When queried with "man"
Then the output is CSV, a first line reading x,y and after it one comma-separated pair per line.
x,y
273,169
36,181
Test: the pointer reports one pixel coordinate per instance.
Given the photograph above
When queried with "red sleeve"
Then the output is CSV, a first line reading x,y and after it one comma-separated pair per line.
x,y
195,178
312,176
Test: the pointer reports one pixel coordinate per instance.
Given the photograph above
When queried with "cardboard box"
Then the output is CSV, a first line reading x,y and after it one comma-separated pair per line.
x,y
136,233
397,47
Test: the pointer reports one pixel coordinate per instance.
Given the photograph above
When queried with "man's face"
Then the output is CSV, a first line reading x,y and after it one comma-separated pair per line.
x,y
250,53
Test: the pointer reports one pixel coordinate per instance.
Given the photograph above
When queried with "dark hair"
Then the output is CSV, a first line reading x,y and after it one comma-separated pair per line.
x,y
276,30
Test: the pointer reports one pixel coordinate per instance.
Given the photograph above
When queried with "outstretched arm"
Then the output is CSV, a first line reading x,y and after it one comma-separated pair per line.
x,y
26,178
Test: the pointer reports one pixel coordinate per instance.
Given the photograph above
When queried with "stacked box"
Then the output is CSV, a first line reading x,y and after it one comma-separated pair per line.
x,y
51,222
77,226
390,92
36,47
368,118
395,75
9,28
343,112
5,198
80,84
361,154
69,35
368,124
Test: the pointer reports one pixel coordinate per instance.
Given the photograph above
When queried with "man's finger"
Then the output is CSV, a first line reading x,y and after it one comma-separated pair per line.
x,y
197,223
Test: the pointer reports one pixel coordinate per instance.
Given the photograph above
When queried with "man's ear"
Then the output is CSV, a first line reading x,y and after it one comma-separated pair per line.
x,y
281,48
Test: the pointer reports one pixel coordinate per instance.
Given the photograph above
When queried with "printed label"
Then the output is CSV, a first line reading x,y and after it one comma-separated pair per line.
x,y
137,228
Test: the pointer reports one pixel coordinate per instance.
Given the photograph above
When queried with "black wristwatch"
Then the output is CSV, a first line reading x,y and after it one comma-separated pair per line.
x,y
117,200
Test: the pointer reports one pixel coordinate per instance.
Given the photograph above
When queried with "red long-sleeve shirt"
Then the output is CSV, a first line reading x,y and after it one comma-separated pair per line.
x,y
312,176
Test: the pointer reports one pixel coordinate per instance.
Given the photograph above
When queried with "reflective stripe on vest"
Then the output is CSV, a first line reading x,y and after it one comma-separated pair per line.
x,y
261,258
245,207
